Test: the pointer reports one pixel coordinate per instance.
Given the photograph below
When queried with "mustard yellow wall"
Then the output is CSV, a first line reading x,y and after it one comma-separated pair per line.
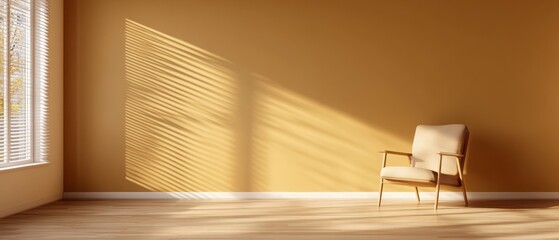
x,y
25,188
301,95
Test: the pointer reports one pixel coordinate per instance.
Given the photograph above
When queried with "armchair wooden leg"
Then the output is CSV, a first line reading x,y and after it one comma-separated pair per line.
x,y
380,191
437,196
464,192
462,181
417,194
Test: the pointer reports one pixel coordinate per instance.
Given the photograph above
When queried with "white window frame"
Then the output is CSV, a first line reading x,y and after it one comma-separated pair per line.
x,y
37,76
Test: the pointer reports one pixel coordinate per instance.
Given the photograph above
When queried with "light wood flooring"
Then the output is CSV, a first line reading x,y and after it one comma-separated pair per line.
x,y
284,219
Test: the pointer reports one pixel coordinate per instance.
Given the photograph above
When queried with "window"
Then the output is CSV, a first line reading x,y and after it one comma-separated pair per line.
x,y
23,81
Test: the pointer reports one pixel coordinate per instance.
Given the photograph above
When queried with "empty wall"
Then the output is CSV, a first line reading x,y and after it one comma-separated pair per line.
x,y
301,95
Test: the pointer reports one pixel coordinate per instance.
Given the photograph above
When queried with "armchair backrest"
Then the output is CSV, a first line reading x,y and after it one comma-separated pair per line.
x,y
429,140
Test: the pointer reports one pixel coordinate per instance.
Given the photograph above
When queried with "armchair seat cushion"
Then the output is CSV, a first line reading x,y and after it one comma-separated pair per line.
x,y
415,174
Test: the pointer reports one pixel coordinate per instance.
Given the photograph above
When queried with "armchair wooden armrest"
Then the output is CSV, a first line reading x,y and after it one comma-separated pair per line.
x,y
386,152
457,158
451,154
396,153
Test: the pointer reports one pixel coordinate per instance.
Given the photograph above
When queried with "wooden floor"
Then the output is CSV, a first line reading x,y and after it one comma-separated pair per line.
x,y
283,219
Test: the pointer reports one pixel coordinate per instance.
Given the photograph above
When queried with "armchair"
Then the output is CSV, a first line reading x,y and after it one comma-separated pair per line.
x,y
437,158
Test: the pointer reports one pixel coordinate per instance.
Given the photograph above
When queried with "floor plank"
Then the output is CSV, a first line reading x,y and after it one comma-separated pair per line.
x,y
283,219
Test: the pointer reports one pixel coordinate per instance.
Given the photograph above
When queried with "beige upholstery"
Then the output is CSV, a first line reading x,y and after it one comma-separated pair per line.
x,y
417,175
426,159
430,140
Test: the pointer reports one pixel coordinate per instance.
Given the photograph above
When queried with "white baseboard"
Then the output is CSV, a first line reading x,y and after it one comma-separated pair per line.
x,y
448,196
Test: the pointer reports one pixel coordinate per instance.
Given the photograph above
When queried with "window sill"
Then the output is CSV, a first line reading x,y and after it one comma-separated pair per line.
x,y
28,165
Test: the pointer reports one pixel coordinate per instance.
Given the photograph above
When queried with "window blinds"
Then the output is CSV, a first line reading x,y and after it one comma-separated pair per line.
x,y
23,81
41,80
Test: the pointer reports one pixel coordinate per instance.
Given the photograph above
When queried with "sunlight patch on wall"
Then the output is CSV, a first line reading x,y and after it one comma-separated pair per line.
x,y
179,119
301,145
